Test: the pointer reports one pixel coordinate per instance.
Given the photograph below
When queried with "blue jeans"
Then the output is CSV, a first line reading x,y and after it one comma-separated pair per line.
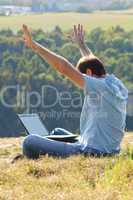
x,y
35,145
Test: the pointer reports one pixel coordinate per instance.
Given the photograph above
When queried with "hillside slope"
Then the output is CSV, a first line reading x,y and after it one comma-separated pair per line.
x,y
74,178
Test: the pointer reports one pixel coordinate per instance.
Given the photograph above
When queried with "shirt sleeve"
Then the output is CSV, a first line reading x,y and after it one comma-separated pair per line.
x,y
92,84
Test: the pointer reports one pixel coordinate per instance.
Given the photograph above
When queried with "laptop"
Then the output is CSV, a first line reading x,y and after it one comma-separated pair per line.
x,y
33,124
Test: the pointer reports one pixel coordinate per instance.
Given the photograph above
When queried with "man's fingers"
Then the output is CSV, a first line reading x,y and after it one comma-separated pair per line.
x,y
81,28
75,30
78,27
25,30
78,33
24,26
82,32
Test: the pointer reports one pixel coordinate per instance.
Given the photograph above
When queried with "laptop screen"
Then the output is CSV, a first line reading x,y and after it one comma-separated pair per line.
x,y
33,124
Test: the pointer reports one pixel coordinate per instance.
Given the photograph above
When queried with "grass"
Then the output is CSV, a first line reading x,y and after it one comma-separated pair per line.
x,y
66,21
74,178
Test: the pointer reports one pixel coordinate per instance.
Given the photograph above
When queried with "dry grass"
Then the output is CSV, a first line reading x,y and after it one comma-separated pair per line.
x,y
66,21
74,178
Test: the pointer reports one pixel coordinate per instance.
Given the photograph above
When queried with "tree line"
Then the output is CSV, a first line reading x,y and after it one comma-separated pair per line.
x,y
20,67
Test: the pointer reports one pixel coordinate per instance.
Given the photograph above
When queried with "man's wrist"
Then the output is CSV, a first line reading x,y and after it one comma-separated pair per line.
x,y
82,44
34,46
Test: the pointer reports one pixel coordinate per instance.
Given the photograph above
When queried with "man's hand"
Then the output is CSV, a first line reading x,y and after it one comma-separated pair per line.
x,y
27,37
78,35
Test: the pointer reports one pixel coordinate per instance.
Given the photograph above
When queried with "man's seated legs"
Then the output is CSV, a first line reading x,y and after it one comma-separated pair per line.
x,y
34,146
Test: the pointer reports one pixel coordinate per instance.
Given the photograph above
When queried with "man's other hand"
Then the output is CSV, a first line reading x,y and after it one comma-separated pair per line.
x,y
27,36
78,34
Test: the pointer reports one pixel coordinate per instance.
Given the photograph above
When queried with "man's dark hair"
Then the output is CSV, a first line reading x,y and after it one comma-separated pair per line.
x,y
92,63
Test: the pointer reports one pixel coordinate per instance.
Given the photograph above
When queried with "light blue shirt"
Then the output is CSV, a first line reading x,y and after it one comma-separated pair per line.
x,y
103,116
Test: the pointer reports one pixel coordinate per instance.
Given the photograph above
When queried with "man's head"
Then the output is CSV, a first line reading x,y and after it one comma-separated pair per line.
x,y
91,66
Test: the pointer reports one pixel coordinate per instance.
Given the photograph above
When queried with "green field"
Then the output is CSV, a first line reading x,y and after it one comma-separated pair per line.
x,y
73,178
66,20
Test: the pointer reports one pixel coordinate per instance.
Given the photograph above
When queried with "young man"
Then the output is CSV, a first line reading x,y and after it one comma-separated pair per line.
x,y
103,115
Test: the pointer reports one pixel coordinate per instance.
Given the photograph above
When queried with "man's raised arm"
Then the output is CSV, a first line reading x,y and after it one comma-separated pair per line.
x,y
58,62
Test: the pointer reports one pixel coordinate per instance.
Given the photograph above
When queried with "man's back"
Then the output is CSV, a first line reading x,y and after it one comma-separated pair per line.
x,y
104,113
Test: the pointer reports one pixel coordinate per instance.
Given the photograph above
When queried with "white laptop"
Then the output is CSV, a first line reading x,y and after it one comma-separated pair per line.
x,y
33,125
